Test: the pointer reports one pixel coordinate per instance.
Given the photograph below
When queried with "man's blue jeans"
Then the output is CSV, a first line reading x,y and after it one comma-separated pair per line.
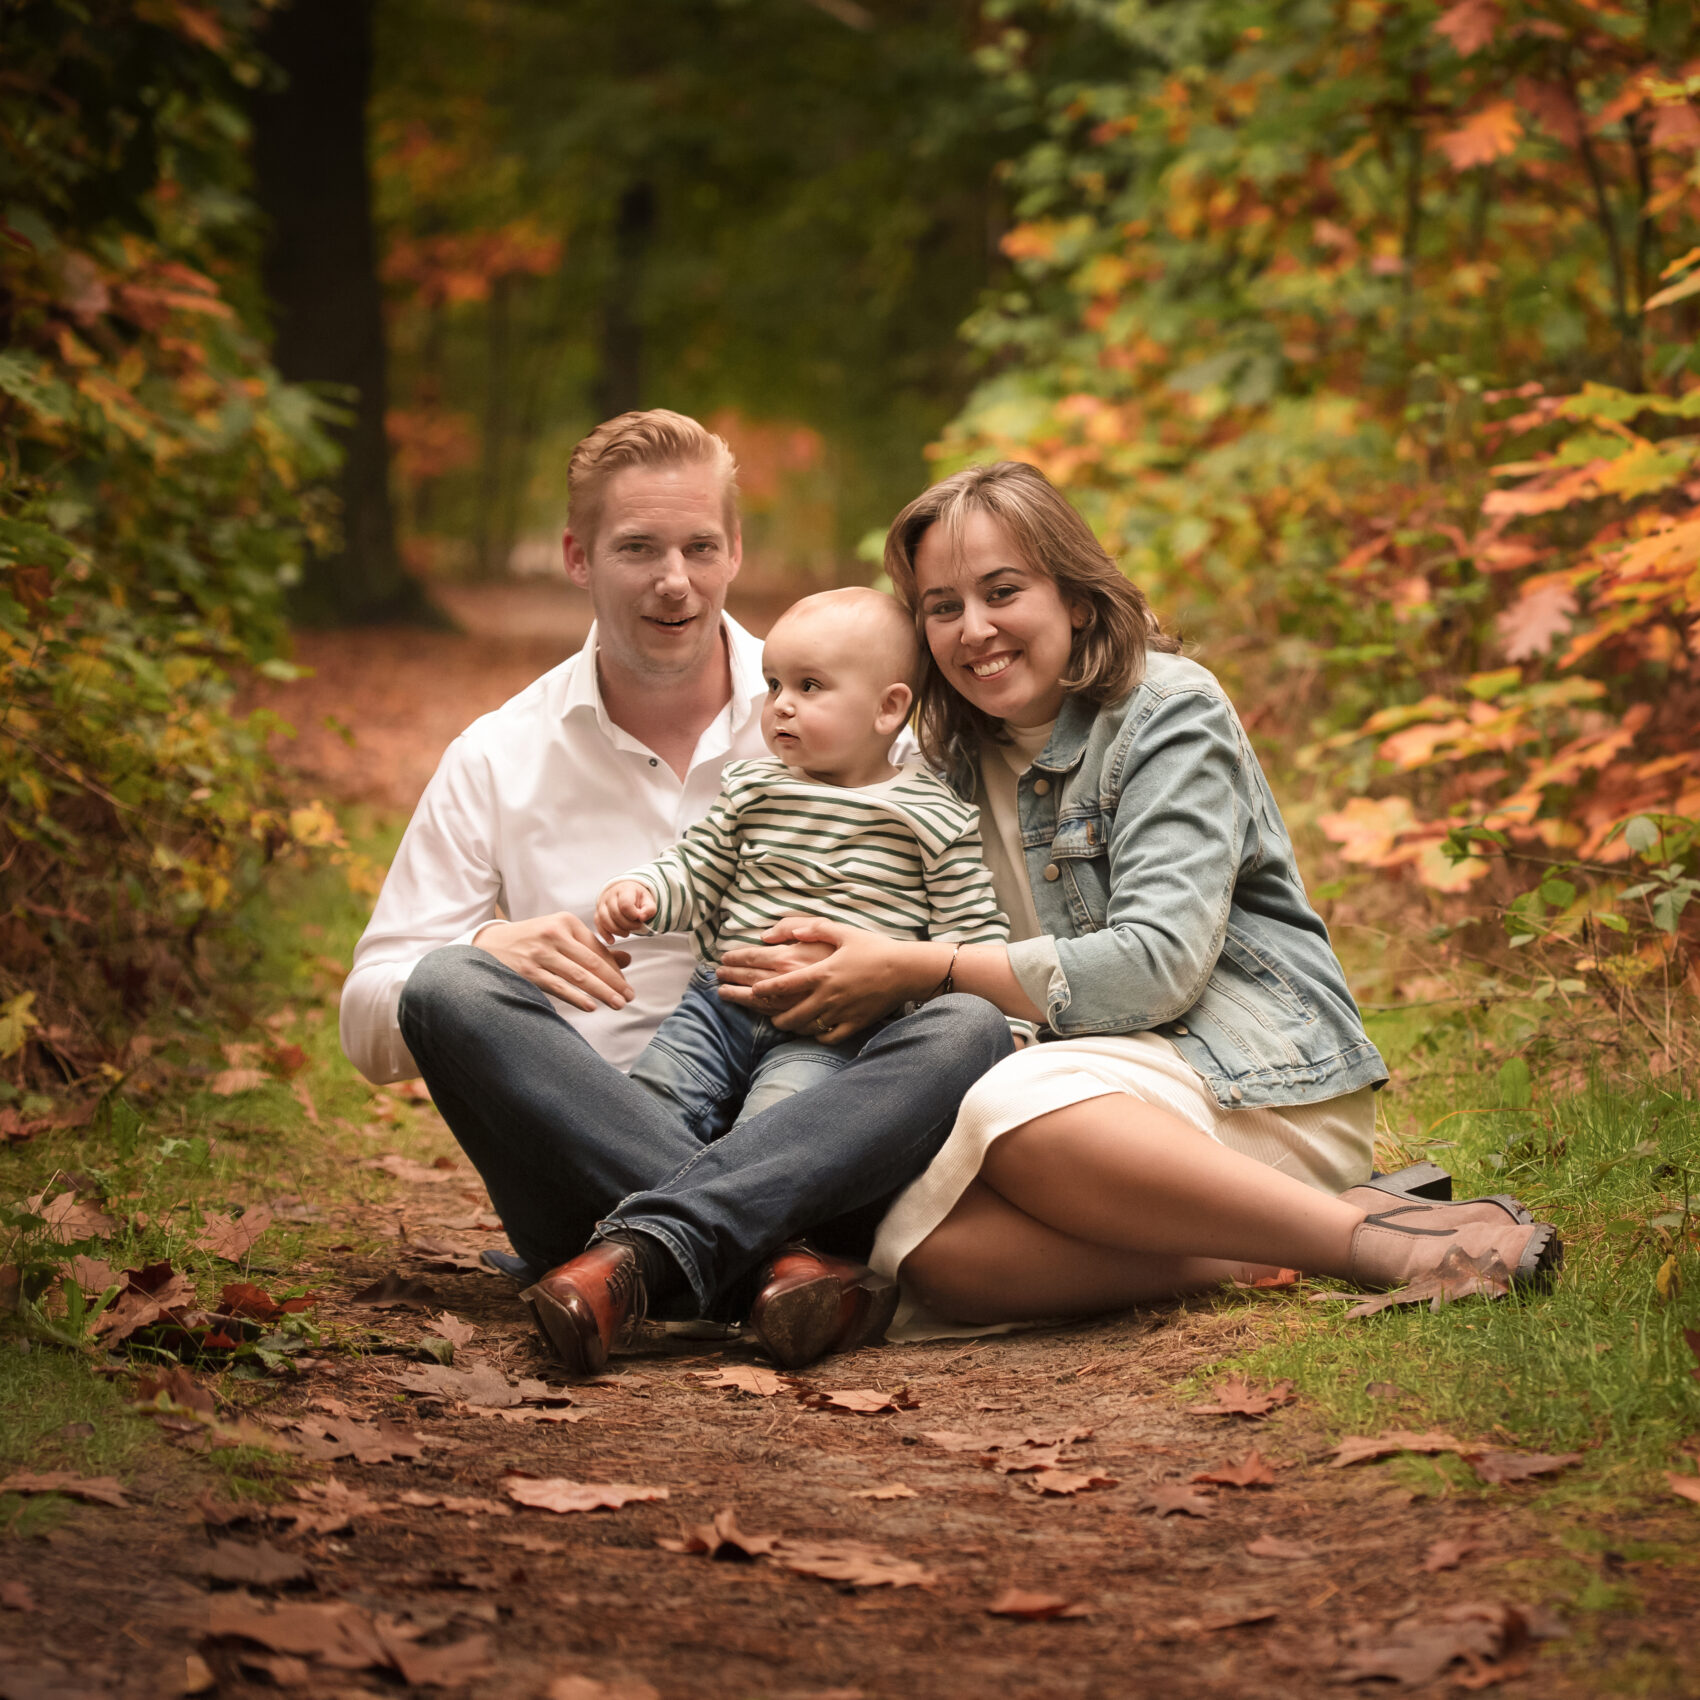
x,y
570,1148
715,1064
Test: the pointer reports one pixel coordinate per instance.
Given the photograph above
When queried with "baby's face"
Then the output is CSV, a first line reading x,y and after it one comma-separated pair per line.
x,y
826,695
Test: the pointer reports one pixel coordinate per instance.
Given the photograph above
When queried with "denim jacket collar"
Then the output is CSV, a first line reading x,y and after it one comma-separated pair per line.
x,y
1075,720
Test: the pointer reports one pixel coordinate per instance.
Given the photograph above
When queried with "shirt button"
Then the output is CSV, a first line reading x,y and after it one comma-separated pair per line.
x,y
1052,871
653,762
1041,787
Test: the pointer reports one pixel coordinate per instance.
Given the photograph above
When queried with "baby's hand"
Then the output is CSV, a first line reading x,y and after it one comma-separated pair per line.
x,y
623,907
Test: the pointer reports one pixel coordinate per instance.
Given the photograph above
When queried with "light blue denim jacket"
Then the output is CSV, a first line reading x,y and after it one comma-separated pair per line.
x,y
1163,875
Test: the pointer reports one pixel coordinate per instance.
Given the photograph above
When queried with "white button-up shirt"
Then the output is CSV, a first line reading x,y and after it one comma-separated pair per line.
x,y
532,810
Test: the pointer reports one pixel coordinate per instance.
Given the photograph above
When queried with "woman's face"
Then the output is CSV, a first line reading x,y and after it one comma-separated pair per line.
x,y
999,630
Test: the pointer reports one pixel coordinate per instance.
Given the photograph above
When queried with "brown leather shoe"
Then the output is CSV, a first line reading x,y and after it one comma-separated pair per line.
x,y
584,1306
811,1304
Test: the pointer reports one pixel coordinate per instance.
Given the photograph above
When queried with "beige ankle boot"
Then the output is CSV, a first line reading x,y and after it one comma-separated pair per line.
x,y
1495,1211
1397,1247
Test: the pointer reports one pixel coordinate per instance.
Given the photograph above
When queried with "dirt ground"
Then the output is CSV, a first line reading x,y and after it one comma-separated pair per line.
x,y
1059,1464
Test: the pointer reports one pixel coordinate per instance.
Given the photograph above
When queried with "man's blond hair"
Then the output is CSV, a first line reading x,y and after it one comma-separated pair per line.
x,y
656,436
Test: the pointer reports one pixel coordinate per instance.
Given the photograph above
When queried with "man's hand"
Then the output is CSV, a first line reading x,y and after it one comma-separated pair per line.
x,y
563,956
623,907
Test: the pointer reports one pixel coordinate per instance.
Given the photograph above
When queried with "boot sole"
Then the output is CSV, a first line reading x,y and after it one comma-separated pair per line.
x,y
1541,1261
577,1355
802,1324
880,1294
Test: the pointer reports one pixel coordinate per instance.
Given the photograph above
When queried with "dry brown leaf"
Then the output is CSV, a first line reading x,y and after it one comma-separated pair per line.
x,y
1019,1602
259,1565
1002,1440
850,1561
393,1290
892,1490
1166,1498
745,1378
407,1169
1273,1546
1480,1635
452,1666
1496,1466
1252,1471
232,1237
1360,1448
1687,1486
228,1082
864,1401
721,1539
1237,1397
452,1329
97,1490
325,1507
149,1296
1457,1276
1063,1482
93,1275
529,1414
479,1383
444,1255
328,1438
175,1387
1216,1621
1275,1279
1447,1555
588,1688
70,1219
467,1506
556,1493
16,1596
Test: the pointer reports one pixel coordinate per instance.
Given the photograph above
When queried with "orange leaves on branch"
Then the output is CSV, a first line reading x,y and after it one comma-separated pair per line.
x,y
1488,134
1470,25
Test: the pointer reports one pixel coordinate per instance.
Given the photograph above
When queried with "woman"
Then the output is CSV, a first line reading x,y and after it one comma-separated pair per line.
x,y
1207,1102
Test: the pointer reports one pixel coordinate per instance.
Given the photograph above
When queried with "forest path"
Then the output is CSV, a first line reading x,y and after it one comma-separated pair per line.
x,y
1060,1463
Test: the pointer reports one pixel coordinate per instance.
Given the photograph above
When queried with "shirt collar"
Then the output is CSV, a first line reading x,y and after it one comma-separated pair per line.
x,y
749,685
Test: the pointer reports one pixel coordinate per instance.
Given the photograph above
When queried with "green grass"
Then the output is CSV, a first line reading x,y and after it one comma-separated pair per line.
x,y
1599,1363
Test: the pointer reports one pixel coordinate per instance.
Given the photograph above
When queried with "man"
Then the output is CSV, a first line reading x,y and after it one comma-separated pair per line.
x,y
480,969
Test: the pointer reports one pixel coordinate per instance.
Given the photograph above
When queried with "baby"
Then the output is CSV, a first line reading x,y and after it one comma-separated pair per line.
x,y
830,829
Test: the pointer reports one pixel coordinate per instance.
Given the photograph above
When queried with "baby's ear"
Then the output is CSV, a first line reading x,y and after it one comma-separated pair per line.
x,y
895,703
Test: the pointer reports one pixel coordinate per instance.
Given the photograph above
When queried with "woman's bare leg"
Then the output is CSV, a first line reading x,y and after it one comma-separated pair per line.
x,y
990,1262
1120,1173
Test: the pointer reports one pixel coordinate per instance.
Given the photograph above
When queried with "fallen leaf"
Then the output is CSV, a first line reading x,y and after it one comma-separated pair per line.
x,y
1687,1486
1456,1276
1495,1466
1239,1398
1277,1278
1447,1555
1217,1621
587,1688
865,1401
70,1219
445,1255
260,1565
406,1169
228,1082
1359,1448
556,1493
329,1438
175,1387
149,1295
97,1490
477,1383
1166,1498
92,1275
896,1490
465,1505
393,1290
1273,1546
437,1667
1035,1608
745,1378
285,1060
16,1596
1480,1635
325,1507
1061,1482
721,1539
232,1237
529,1414
988,1440
850,1561
1252,1471
452,1329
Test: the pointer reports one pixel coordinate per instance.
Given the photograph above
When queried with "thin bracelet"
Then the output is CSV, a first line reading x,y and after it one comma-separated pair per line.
x,y
948,983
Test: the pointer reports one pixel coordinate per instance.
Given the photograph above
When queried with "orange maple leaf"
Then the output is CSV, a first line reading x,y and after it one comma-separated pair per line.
x,y
1470,25
1486,135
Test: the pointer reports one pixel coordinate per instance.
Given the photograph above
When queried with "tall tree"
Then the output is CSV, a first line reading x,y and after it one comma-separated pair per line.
x,y
312,177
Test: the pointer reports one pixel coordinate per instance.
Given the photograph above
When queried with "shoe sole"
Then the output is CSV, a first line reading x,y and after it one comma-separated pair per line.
x,y
881,1294
576,1355
1543,1257
802,1324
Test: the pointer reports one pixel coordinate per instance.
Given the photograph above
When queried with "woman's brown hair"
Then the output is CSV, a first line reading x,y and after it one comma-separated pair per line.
x,y
1110,644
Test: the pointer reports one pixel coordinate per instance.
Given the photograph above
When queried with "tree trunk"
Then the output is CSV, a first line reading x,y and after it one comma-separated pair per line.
x,y
619,386
312,179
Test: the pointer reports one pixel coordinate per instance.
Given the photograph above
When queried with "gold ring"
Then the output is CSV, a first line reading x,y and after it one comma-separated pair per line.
x,y
823,1024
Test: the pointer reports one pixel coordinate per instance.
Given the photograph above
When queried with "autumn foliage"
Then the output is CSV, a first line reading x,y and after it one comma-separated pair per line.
x,y
1364,334
153,478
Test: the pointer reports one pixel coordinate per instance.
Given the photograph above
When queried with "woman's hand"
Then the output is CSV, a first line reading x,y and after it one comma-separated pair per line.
x,y
861,977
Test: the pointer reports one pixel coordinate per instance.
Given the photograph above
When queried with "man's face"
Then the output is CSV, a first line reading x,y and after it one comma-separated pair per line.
x,y
658,569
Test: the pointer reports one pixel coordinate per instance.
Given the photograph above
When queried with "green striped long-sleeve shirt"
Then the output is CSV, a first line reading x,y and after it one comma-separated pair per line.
x,y
900,858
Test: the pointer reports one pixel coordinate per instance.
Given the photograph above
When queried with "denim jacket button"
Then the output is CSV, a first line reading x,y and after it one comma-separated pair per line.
x,y
1052,871
1041,787
1180,1029
1235,1093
